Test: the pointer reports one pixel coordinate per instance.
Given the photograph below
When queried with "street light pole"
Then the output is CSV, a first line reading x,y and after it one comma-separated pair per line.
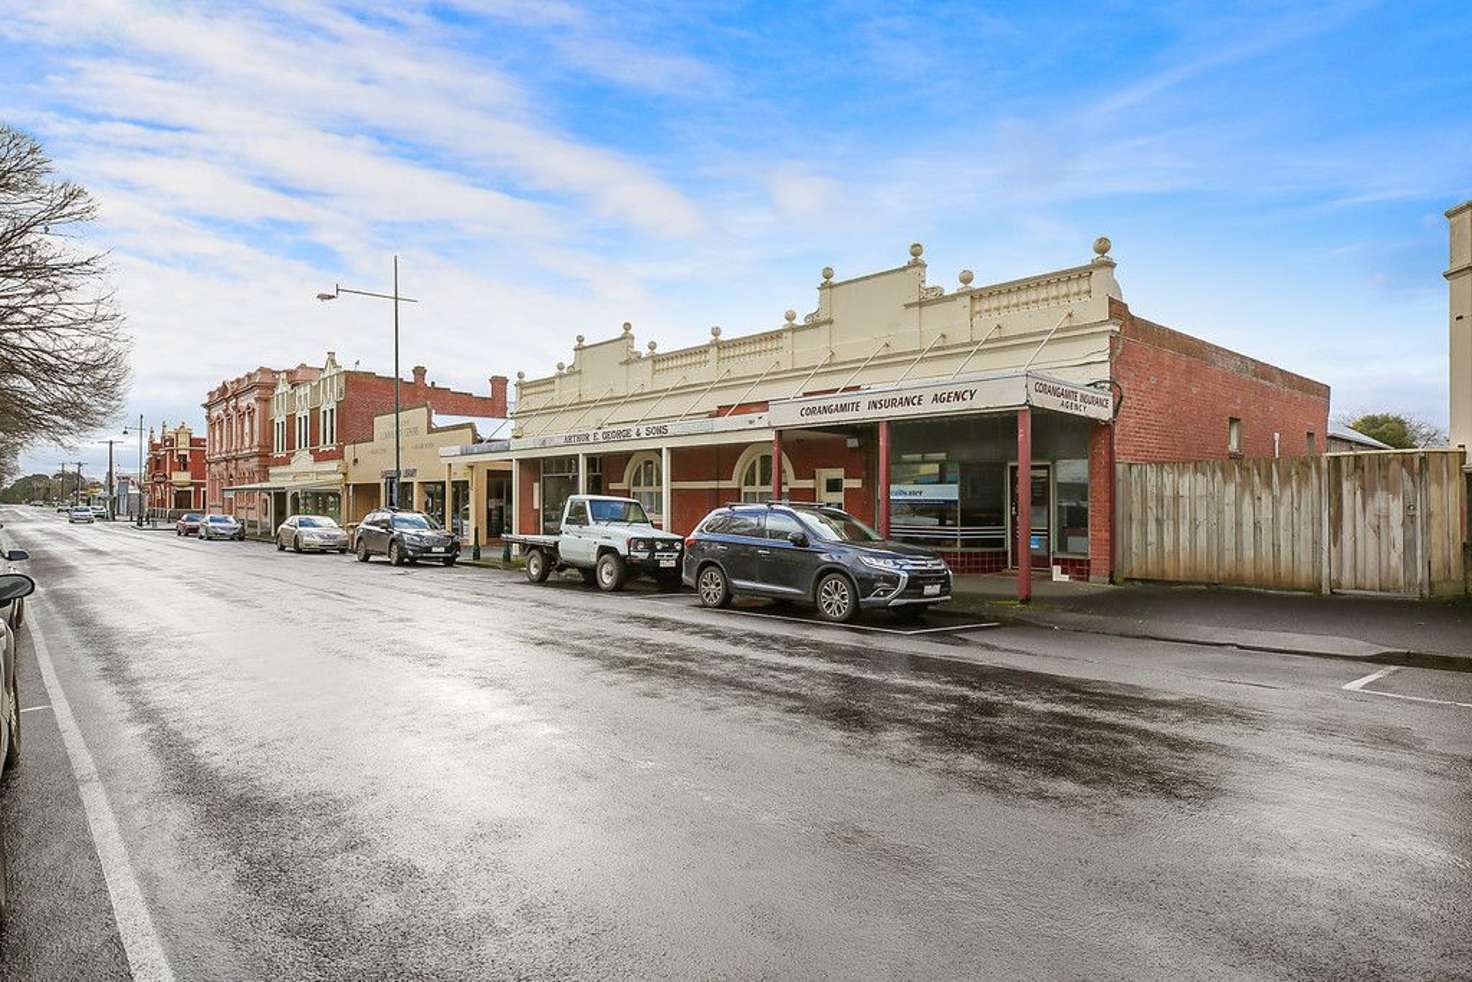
x,y
142,489
337,291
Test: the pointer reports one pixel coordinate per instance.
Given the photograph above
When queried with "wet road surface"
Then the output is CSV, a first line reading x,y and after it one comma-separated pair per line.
x,y
324,770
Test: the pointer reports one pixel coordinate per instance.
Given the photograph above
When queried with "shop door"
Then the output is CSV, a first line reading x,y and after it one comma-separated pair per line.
x,y
1040,509
828,484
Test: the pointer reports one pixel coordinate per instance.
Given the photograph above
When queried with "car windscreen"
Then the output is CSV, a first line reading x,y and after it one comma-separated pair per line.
x,y
312,522
191,518
838,526
221,520
630,512
413,522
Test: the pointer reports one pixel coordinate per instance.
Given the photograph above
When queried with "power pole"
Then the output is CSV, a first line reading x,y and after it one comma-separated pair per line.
x,y
111,487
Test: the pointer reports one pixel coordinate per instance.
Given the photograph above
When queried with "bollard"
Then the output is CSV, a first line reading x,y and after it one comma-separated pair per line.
x,y
506,552
475,549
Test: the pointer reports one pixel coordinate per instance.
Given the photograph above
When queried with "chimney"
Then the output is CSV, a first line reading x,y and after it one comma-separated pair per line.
x,y
1459,316
498,396
419,372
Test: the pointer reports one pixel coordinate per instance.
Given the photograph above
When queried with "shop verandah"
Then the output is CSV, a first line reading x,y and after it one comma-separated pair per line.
x,y
951,482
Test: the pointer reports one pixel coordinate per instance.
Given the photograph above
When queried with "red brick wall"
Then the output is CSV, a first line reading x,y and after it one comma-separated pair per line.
x,y
1179,392
1101,504
366,395
527,520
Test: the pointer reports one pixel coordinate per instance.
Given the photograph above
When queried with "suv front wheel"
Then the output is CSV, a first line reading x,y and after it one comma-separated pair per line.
x,y
837,601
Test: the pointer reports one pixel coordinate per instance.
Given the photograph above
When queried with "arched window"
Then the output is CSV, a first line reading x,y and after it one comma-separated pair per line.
x,y
645,486
756,479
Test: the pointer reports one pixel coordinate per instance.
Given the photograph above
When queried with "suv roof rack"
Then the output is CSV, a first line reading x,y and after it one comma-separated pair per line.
x,y
783,501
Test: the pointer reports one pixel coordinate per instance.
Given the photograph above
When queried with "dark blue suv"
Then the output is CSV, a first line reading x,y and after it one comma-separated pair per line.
x,y
809,554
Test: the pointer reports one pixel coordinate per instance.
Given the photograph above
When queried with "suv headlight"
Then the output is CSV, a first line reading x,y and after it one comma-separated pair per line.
x,y
638,545
881,562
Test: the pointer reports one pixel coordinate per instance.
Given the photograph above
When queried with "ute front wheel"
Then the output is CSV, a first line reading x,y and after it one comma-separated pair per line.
x,y
611,572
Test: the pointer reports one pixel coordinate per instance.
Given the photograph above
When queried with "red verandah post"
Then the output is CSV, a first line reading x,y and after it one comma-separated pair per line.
x,y
776,465
883,502
1024,504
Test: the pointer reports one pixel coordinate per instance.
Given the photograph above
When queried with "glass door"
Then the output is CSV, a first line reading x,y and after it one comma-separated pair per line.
x,y
1039,509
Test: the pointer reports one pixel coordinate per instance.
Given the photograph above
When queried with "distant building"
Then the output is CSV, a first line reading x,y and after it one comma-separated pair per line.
x,y
1342,439
291,430
176,469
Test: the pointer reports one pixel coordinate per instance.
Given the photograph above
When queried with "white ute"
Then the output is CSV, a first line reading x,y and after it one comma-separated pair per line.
x,y
607,540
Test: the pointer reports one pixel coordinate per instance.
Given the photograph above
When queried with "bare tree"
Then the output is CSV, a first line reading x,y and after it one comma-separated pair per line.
x,y
63,350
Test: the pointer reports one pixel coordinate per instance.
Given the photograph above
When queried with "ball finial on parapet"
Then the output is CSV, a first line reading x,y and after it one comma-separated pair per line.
x,y
651,347
916,250
715,331
628,328
827,274
521,376
966,277
789,315
1102,245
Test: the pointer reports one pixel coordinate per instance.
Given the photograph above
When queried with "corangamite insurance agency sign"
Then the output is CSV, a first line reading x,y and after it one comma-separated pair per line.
x,y
945,399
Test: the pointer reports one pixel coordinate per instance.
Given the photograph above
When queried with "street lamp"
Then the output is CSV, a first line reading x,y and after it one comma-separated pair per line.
x,y
337,291
142,490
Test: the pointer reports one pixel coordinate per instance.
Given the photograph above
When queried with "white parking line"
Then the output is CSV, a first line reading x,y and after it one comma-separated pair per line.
x,y
146,960
667,598
1358,685
35,709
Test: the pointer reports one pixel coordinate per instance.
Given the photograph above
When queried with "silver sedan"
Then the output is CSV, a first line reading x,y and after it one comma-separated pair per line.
x,y
311,533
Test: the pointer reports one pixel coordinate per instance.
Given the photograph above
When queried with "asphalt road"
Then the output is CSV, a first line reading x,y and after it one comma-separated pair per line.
x,y
299,767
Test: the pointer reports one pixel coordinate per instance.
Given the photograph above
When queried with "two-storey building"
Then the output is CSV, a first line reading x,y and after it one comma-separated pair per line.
x,y
313,413
176,470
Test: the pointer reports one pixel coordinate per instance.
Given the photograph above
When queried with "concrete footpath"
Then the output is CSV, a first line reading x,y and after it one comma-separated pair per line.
x,y
1377,629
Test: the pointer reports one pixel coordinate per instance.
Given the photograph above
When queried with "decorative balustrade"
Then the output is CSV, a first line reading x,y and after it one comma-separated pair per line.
x,y
1044,291
756,346
683,360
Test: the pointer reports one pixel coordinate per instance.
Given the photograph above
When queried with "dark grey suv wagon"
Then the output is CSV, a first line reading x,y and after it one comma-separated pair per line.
x,y
810,554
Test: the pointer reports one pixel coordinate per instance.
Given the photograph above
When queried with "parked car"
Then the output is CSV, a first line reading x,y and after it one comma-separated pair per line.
x,y
63,509
99,511
221,527
80,516
311,533
811,554
14,587
188,524
607,540
404,537
15,612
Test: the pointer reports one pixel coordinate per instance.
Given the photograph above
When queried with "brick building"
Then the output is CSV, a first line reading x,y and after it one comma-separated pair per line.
x,y
176,470
927,413
299,429
238,438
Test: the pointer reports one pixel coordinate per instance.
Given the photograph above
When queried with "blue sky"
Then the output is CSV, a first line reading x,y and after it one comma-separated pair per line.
x,y
1272,175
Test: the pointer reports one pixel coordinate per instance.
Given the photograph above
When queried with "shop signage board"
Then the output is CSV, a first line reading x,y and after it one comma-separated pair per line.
x,y
872,405
1066,397
924,492
578,439
975,395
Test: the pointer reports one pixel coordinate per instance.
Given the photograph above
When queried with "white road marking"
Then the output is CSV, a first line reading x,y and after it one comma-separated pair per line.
x,y
35,709
1359,684
667,598
146,960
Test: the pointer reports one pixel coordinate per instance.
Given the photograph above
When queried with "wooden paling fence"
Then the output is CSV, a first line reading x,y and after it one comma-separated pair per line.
x,y
1386,522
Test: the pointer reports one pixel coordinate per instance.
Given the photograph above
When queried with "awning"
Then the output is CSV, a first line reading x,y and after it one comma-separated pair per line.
x,y
304,486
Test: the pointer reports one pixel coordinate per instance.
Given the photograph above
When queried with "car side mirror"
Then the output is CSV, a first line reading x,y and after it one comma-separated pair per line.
x,y
798,539
17,555
13,586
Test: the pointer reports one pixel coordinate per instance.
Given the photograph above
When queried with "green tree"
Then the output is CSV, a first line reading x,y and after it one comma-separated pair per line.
x,y
1400,431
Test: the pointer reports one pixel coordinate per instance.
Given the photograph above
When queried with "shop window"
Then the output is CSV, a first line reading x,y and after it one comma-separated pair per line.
x,y
559,481
645,487
1071,497
756,480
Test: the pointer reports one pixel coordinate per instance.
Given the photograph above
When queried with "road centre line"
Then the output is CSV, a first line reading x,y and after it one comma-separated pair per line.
x,y
1360,683
141,945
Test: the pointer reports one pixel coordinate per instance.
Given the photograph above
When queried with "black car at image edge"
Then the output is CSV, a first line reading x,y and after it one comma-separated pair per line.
x,y
811,554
